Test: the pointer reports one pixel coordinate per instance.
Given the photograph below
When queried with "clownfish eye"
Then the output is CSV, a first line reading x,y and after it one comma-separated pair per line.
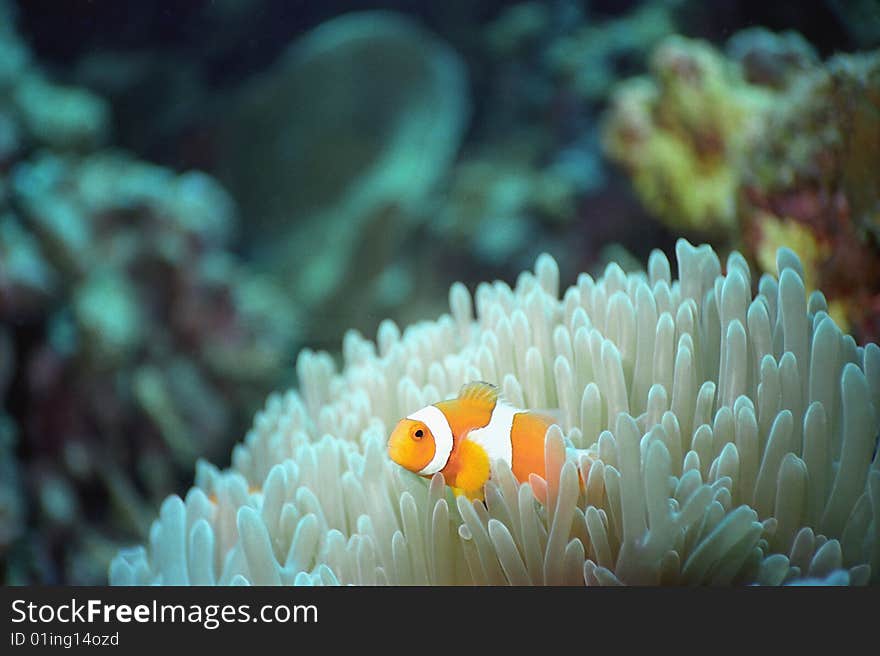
x,y
419,434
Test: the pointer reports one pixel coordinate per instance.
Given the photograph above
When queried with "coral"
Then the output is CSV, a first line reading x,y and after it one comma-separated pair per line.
x,y
771,59
760,147
534,158
814,171
498,197
587,55
328,200
140,339
26,279
680,134
722,438
38,110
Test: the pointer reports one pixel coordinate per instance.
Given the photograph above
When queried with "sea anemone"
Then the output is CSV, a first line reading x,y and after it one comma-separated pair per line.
x,y
721,439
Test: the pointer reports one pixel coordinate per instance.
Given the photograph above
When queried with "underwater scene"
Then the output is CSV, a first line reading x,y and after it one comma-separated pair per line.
x,y
563,292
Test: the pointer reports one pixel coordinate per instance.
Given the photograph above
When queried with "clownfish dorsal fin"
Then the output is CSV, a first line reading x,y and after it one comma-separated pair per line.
x,y
480,392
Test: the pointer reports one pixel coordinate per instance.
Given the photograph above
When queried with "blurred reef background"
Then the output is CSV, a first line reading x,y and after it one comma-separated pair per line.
x,y
192,192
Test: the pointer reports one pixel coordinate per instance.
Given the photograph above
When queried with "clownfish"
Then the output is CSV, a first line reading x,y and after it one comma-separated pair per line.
x,y
460,437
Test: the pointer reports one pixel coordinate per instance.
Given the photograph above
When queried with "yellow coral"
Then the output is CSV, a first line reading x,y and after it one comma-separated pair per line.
x,y
778,232
674,185
682,132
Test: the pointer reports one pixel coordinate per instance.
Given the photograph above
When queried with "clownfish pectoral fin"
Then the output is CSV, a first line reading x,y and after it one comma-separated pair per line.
x,y
473,495
480,392
474,469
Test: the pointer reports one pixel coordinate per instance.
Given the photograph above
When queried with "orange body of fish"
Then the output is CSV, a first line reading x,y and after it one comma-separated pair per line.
x,y
461,437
